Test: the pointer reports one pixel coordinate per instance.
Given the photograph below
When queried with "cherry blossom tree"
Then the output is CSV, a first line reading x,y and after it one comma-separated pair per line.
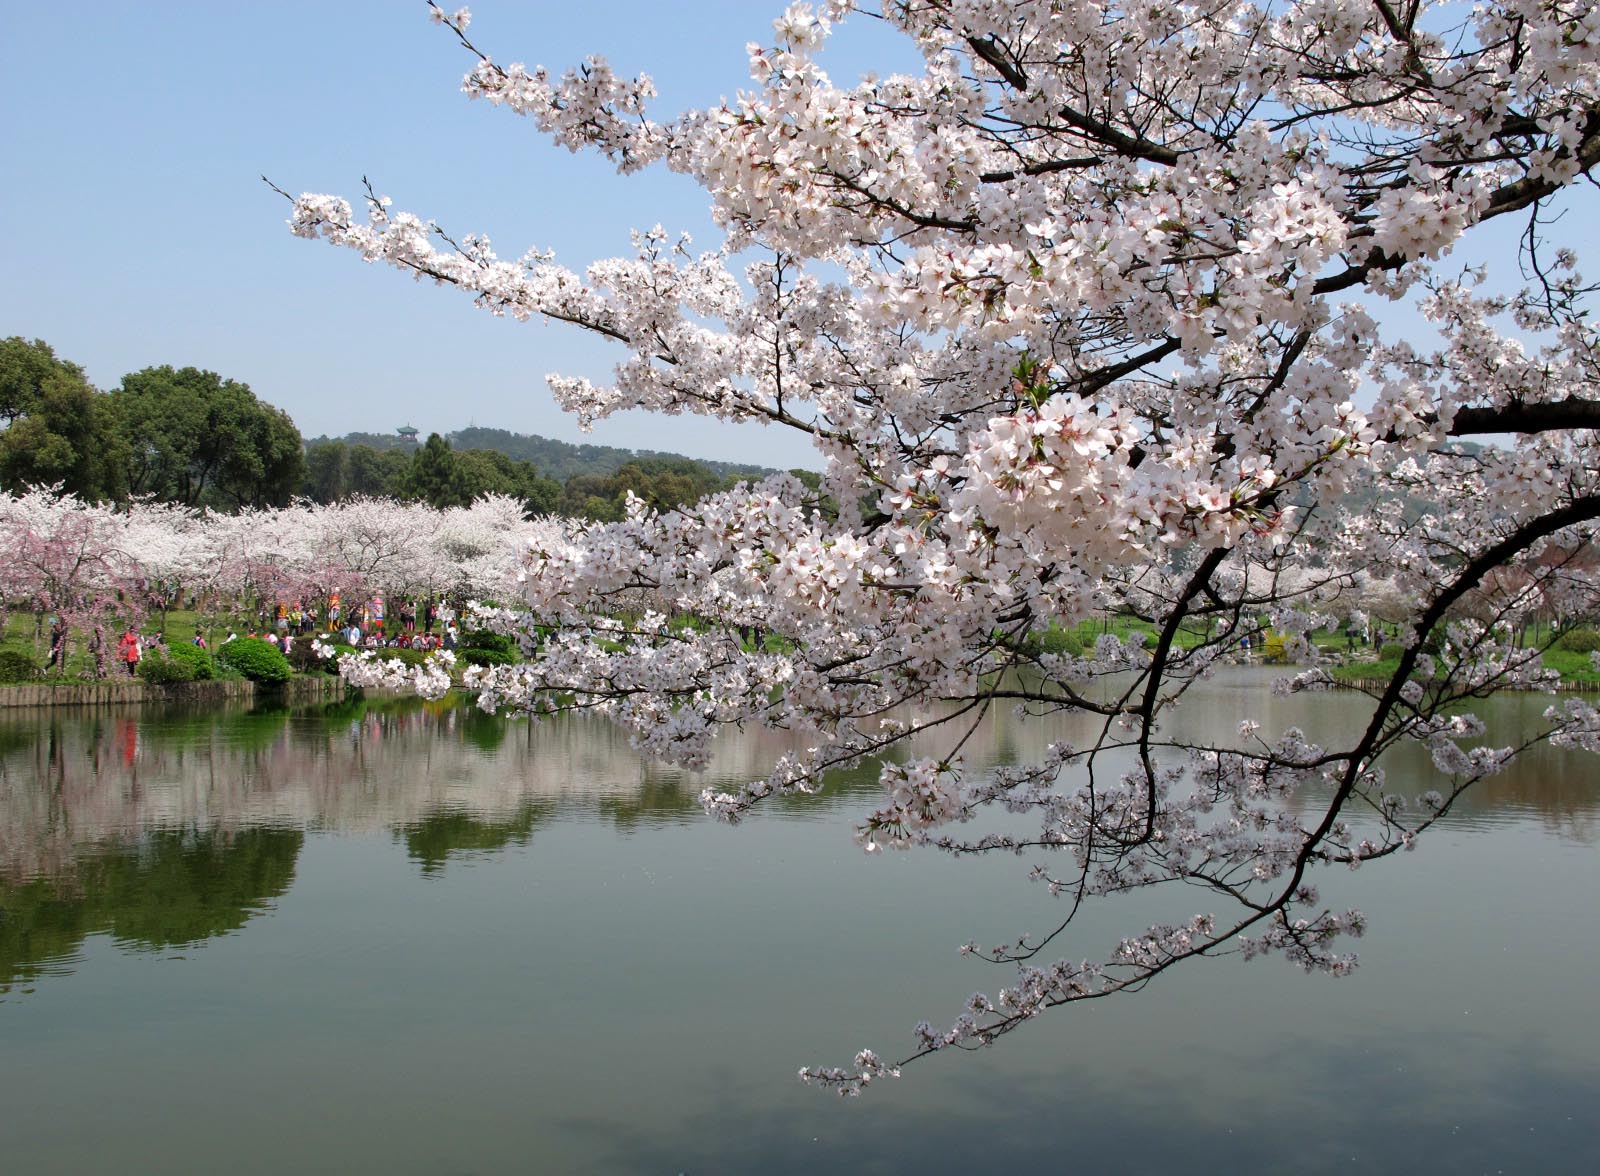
x,y
478,550
1087,313
71,559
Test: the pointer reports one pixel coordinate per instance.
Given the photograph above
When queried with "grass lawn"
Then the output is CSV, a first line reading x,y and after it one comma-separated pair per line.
x,y
1575,668
25,636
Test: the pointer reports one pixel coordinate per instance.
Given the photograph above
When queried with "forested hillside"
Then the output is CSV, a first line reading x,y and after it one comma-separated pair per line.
x,y
198,439
554,459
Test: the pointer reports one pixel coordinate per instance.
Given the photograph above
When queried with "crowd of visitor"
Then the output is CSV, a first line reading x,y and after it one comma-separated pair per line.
x,y
423,624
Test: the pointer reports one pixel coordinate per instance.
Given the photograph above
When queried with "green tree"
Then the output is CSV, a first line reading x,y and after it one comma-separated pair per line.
x,y
58,428
327,472
437,476
376,473
196,438
492,472
590,496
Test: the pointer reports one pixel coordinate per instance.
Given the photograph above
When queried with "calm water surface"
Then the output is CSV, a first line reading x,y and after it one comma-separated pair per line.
x,y
408,938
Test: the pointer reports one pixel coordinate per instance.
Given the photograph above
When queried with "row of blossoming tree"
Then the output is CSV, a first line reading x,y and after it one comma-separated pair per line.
x,y
97,567
1088,311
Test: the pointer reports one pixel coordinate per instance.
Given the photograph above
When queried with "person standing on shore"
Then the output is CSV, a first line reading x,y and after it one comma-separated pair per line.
x,y
129,650
58,644
97,648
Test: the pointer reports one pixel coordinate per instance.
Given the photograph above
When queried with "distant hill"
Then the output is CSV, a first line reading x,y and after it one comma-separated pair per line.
x,y
553,459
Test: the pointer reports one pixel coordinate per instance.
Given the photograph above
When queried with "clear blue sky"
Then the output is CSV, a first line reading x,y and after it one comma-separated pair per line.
x,y
137,231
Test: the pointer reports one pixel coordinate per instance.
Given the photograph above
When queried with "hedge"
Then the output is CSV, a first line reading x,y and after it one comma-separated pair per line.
x,y
157,667
1579,640
16,666
258,660
485,639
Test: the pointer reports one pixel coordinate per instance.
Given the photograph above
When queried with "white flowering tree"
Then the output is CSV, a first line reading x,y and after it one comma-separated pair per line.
x,y
1086,313
477,551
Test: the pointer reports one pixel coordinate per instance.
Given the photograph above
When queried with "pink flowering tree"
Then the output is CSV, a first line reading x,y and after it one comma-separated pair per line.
x,y
1088,312
72,560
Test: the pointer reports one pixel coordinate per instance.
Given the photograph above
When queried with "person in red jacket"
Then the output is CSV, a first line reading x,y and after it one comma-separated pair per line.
x,y
128,650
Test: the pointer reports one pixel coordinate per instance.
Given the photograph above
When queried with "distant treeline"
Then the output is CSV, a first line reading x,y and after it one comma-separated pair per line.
x,y
441,475
554,459
193,437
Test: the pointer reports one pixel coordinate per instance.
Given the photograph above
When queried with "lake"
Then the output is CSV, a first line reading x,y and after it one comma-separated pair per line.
x,y
407,937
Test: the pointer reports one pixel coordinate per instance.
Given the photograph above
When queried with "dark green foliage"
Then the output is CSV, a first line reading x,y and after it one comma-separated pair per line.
x,y
456,468
303,661
196,438
481,647
555,459
16,666
198,660
190,436
435,473
256,659
160,669
409,657
486,639
377,474
443,477
1583,640
177,887
327,477
440,835
54,426
1059,640
437,476
664,483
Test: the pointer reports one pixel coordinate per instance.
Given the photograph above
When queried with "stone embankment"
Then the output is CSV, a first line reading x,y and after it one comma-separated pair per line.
x,y
134,693
1377,685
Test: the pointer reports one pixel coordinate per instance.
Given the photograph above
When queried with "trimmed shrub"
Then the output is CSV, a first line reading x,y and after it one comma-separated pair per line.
x,y
484,639
1579,640
160,669
303,661
1059,640
192,655
258,660
16,667
476,656
405,656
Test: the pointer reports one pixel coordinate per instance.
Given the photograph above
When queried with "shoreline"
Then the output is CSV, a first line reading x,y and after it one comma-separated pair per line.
x,y
1369,684
134,692
140,693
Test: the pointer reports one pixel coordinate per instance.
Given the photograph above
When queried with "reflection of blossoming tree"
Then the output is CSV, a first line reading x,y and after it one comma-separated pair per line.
x,y
1075,340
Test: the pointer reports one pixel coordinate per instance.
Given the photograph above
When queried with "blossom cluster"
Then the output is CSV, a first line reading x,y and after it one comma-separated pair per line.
x,y
1083,316
66,551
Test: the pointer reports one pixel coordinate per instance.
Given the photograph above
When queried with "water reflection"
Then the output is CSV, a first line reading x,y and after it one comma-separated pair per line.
x,y
172,888
503,948
448,780
437,837
164,829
